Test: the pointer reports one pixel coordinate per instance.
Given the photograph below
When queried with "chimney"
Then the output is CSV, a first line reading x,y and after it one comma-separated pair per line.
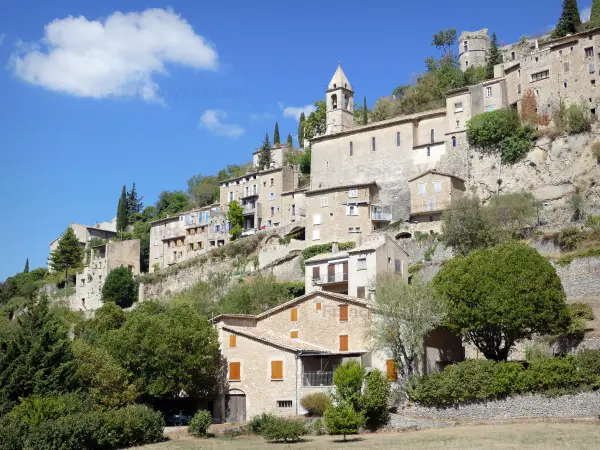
x,y
334,247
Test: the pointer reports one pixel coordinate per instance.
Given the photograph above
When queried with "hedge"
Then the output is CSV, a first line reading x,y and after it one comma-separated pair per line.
x,y
315,250
479,380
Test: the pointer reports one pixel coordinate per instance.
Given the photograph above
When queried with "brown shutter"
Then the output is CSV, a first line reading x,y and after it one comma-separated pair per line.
x,y
316,273
234,371
294,314
232,340
345,271
331,273
391,370
276,370
294,334
360,292
343,313
344,343
318,306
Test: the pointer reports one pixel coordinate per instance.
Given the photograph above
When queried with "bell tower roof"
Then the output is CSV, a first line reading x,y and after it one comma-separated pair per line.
x,y
339,80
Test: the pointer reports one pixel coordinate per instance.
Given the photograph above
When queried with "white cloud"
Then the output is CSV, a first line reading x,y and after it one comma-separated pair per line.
x,y
260,116
116,57
585,14
211,119
295,111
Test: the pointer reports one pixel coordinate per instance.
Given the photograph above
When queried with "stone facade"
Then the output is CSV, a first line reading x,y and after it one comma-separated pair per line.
x,y
293,206
473,48
431,193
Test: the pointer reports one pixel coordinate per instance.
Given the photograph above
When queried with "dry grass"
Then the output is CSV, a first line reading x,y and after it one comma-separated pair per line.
x,y
545,436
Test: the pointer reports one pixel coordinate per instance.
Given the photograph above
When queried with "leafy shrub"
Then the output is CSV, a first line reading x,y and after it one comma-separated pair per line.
x,y
428,255
348,379
120,288
283,429
13,433
375,400
578,119
318,427
554,375
343,419
34,410
315,403
568,239
258,423
593,222
200,423
588,365
315,250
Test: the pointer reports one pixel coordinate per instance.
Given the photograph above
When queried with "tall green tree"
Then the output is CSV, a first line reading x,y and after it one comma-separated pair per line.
x,y
134,204
120,288
172,202
316,123
68,253
276,135
445,40
290,140
569,21
264,155
26,269
494,57
235,215
595,15
122,216
365,112
301,130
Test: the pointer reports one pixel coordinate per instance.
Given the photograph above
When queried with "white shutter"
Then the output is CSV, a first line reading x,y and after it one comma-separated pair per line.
x,y
348,210
316,235
316,219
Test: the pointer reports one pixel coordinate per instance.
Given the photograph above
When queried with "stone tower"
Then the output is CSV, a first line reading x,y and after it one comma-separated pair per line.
x,y
340,103
473,48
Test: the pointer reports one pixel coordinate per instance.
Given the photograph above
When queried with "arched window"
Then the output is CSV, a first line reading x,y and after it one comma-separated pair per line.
x,y
453,141
334,101
373,143
432,136
351,149
398,139
346,101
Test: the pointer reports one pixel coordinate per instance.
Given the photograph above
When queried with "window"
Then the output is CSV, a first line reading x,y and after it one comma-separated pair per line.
x,y
352,210
428,151
490,108
316,219
437,186
466,46
589,52
566,66
272,210
360,291
334,101
391,370
324,201
431,205
453,141
316,235
422,189
294,334
536,92
519,73
467,63
232,340
458,124
276,370
351,149
458,107
373,144
155,242
343,313
488,91
343,343
318,306
294,315
593,82
513,55
362,264
353,229
432,134
271,195
316,273
83,281
540,75
353,193
397,266
234,371
284,403
272,181
398,139
565,84
518,88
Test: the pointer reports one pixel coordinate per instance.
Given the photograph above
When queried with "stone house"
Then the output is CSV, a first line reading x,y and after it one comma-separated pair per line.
x,y
275,358
293,205
353,272
103,259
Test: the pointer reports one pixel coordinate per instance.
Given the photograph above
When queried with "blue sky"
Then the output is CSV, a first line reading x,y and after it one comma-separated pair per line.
x,y
155,96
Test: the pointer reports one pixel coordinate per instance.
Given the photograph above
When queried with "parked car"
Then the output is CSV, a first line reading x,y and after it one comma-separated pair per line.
x,y
178,418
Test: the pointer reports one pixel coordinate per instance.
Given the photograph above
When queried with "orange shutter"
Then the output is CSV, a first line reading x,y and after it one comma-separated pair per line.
x,y
294,314
234,371
391,370
344,343
294,334
276,370
232,340
318,306
344,313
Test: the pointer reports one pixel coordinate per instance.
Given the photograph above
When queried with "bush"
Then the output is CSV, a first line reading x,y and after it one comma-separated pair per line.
x,y
588,365
343,419
120,288
315,250
318,427
200,423
568,239
553,375
258,423
35,410
282,429
348,379
375,400
578,119
593,222
315,403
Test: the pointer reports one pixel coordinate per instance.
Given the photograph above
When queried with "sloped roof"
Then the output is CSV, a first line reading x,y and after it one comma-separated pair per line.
x,y
435,172
339,79
326,256
277,340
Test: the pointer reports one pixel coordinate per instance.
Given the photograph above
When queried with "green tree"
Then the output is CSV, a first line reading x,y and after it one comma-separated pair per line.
x,y
348,379
316,123
264,155
172,202
595,14
134,205
290,140
301,125
157,368
306,161
26,269
36,356
119,288
343,419
501,295
569,21
68,254
495,57
261,294
445,40
141,231
122,216
365,112
464,226
407,313
235,215
108,317
375,400
276,140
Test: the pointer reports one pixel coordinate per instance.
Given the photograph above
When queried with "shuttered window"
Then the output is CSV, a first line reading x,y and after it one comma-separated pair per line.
x,y
276,370
343,313
391,370
232,340
316,273
318,306
344,343
360,292
294,314
234,371
294,334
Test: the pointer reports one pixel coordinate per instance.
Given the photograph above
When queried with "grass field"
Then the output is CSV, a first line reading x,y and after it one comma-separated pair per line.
x,y
522,436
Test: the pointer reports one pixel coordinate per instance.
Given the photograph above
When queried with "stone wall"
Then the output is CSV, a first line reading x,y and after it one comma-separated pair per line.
x,y
287,269
586,404
580,278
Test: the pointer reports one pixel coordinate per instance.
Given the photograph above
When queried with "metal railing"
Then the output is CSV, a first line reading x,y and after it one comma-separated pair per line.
x,y
317,379
331,278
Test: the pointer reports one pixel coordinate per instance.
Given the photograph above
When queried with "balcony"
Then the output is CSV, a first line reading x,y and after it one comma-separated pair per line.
x,y
249,232
381,217
313,379
338,277
298,212
250,194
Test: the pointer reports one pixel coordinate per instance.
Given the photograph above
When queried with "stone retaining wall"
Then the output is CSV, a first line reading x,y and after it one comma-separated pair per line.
x,y
586,404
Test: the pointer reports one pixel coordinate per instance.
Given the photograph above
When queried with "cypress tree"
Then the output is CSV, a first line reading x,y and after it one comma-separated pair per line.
x,y
494,58
290,140
264,157
365,117
569,21
301,130
68,253
595,16
26,269
122,220
134,204
276,135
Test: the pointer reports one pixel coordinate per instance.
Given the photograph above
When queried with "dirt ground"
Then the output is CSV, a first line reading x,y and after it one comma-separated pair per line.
x,y
545,436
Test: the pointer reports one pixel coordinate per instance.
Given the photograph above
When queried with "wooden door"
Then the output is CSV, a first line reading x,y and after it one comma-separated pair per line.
x,y
345,271
235,408
331,273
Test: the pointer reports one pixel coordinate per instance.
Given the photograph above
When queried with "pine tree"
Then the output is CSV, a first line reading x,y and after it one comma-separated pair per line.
x,y
134,203
122,216
495,57
276,135
595,15
264,157
365,117
26,269
68,253
569,21
301,130
290,140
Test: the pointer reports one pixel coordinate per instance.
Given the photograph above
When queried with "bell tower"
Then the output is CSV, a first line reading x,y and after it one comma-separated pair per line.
x,y
340,103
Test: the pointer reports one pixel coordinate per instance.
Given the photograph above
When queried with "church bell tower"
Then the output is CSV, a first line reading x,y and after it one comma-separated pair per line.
x,y
340,103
